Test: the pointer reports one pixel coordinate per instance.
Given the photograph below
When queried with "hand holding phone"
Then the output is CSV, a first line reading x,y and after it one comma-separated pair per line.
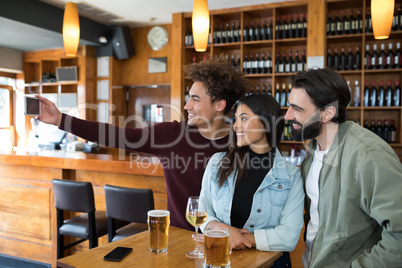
x,y
32,106
117,254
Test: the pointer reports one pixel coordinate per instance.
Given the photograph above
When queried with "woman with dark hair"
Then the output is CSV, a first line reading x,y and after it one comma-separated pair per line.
x,y
250,188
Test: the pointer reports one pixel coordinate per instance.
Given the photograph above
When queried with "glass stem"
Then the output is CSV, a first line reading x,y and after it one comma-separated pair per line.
x,y
196,239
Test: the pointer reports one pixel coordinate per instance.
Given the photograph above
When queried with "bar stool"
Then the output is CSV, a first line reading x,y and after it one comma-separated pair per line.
x,y
129,205
77,197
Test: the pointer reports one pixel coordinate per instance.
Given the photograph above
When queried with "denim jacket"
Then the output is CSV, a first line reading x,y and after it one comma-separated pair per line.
x,y
276,216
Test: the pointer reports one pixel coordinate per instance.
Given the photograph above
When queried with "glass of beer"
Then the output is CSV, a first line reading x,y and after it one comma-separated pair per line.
x,y
217,247
158,228
196,218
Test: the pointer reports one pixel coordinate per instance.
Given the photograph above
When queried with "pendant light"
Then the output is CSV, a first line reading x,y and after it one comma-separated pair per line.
x,y
200,23
382,12
71,29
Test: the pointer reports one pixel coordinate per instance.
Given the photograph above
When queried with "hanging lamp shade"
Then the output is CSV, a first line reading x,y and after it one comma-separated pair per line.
x,y
382,12
200,23
71,29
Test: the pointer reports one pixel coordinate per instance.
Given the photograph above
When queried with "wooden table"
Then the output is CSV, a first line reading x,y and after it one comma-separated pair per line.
x,y
180,242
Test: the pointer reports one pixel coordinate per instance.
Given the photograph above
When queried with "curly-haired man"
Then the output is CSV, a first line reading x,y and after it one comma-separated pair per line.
x,y
183,148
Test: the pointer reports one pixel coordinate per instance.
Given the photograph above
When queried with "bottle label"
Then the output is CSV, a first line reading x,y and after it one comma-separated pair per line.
x,y
373,61
261,64
388,60
293,68
380,61
287,68
339,26
396,59
347,25
333,27
280,68
300,67
354,25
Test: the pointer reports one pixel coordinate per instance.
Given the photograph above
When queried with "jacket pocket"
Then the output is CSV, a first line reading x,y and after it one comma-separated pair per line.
x,y
279,191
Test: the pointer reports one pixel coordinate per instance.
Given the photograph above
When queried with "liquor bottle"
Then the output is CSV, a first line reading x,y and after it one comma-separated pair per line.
x,y
268,64
251,32
397,94
277,63
373,95
245,64
392,132
337,64
374,57
343,65
285,28
215,40
357,65
270,32
261,63
283,96
304,29
299,66
367,58
292,63
278,28
389,63
292,27
359,23
329,24
277,94
345,24
251,65
264,31
388,95
349,62
372,126
286,65
257,32
303,61
299,26
381,95
245,33
397,56
385,133
256,65
379,129
356,95
223,34
368,25
366,95
338,25
382,58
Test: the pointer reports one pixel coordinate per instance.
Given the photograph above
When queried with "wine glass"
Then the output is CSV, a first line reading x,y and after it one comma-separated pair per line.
x,y
196,218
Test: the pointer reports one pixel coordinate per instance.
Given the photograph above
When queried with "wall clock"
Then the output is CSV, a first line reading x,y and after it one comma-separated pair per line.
x,y
157,37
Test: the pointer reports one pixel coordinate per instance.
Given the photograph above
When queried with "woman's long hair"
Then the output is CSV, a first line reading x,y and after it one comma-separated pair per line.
x,y
270,114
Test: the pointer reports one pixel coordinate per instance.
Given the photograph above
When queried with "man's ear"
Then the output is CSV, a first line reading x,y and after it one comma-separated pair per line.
x,y
328,114
220,105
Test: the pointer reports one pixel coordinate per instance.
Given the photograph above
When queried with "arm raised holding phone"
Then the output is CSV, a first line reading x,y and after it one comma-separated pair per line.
x,y
49,112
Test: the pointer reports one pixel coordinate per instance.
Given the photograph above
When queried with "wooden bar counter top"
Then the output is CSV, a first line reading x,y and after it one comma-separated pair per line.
x,y
27,213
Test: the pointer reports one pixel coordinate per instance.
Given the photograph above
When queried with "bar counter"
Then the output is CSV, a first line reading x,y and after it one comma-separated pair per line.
x,y
27,213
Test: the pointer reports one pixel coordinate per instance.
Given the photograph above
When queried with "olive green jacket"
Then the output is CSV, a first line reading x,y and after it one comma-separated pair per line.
x,y
360,202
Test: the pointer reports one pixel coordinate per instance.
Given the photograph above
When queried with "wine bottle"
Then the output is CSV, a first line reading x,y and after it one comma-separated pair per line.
x,y
219,35
264,31
345,24
286,64
329,24
299,26
251,32
245,64
392,132
269,89
381,95
358,60
349,62
292,63
389,63
359,23
372,126
397,56
270,31
337,64
261,64
256,69
251,65
356,95
239,34
277,94
368,25
374,57
303,61
238,62
258,89
228,34
399,19
223,34
379,129
366,124
257,32
343,65
304,29
277,63
367,58
268,64
385,134
352,23
283,96
397,94
382,58
187,37
366,95
232,33
215,39
264,89
278,28
292,27
373,95
245,33
282,64
299,66
338,23
285,28
350,90
329,59
388,95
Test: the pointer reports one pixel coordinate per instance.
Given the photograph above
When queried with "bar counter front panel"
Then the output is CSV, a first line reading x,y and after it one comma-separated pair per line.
x,y
27,213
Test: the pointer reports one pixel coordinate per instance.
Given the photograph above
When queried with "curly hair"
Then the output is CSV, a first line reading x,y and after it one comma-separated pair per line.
x,y
223,82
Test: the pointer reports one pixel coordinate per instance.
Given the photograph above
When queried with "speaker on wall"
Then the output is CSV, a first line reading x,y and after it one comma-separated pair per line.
x,y
122,42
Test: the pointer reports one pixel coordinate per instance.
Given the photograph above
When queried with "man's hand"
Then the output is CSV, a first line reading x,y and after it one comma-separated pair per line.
x,y
49,113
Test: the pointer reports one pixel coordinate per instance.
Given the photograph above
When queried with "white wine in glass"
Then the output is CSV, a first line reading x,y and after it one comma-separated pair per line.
x,y
196,218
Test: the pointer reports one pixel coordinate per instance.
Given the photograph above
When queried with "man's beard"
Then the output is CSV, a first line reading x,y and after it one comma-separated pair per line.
x,y
309,131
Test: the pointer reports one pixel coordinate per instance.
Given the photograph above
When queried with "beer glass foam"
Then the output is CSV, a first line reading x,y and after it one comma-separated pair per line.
x,y
158,228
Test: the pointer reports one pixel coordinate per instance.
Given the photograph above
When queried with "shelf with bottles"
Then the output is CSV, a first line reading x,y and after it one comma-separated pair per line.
x,y
287,63
226,28
291,23
385,124
345,20
379,94
257,61
346,60
258,26
376,57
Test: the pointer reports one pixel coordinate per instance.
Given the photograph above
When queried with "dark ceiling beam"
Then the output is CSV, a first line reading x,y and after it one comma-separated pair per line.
x,y
48,17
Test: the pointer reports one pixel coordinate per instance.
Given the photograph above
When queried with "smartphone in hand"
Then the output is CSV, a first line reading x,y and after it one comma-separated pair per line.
x,y
32,106
117,254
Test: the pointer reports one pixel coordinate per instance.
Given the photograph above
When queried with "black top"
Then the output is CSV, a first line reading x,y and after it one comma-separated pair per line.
x,y
258,165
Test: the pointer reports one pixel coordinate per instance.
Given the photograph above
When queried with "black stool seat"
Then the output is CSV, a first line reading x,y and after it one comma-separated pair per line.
x,y
129,205
78,226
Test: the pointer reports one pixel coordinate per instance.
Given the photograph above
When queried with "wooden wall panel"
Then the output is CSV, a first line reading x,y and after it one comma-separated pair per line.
x,y
26,250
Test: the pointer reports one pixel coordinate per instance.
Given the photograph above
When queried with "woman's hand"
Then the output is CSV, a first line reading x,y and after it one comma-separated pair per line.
x,y
49,113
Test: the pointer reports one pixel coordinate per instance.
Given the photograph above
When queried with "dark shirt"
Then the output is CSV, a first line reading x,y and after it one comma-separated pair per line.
x,y
182,151
258,166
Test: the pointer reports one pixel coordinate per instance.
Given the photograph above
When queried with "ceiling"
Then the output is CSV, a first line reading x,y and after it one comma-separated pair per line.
x,y
24,33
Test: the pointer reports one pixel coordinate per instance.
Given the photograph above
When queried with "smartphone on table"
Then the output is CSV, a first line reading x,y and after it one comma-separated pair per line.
x,y
32,106
117,254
